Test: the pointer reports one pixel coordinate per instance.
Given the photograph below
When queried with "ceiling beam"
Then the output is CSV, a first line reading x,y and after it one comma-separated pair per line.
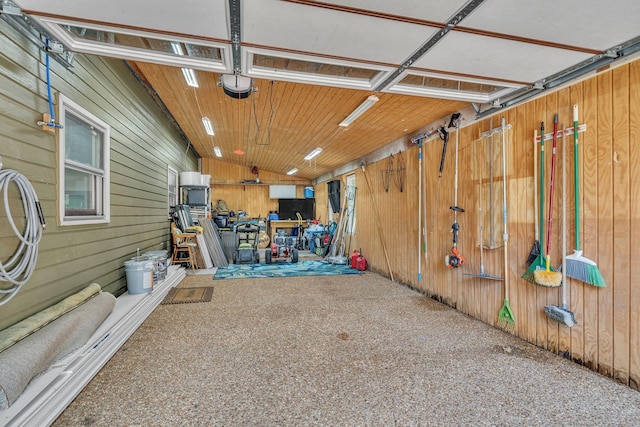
x,y
466,10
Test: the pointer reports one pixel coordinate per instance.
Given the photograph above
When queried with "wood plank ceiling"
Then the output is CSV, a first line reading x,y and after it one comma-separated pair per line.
x,y
314,62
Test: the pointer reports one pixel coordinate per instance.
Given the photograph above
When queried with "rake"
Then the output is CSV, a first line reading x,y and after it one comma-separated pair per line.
x,y
506,319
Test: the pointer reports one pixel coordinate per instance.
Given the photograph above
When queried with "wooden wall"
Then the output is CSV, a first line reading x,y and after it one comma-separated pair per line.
x,y
607,336
143,144
254,199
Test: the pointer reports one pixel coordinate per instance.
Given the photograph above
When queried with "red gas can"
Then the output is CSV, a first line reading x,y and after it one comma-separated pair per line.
x,y
361,263
354,256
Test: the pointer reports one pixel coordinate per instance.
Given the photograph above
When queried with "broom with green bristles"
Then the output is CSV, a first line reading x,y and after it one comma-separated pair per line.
x,y
577,266
539,262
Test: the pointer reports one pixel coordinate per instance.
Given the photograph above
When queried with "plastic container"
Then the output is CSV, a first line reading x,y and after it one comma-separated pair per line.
x,y
160,264
190,178
205,180
309,192
139,271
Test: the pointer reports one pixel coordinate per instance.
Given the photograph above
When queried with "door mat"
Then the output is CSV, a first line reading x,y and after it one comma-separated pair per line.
x,y
283,269
188,295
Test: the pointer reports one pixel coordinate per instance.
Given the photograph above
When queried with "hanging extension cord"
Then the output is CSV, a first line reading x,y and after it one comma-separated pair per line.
x,y
18,269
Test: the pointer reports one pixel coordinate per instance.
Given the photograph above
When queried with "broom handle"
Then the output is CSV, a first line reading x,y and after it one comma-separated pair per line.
x,y
536,219
576,180
505,236
541,196
564,222
553,173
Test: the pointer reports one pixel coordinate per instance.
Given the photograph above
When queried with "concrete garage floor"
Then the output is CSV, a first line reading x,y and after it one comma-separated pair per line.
x,y
337,351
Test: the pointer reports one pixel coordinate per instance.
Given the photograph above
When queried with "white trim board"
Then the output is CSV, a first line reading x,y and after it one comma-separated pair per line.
x,y
46,397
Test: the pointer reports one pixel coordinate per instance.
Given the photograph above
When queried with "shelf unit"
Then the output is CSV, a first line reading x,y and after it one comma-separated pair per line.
x,y
198,197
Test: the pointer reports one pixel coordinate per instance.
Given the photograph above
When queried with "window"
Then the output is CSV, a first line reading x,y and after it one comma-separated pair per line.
x,y
83,166
172,189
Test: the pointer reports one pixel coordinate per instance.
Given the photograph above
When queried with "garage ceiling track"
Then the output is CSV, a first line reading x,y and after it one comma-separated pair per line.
x,y
314,62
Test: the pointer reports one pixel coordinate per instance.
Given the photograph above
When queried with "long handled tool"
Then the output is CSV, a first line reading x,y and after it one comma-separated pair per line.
x,y
539,262
562,314
480,217
454,258
535,249
444,136
506,319
421,244
577,266
548,277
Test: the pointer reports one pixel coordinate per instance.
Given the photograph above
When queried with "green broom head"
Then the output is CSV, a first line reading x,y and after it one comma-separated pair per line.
x,y
538,264
581,268
506,319
546,277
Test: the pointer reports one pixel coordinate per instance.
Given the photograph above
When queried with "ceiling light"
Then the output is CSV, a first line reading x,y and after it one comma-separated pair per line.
x,y
293,171
312,154
359,111
190,77
188,73
217,152
207,125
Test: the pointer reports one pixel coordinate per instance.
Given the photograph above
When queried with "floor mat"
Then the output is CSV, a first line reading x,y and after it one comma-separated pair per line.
x,y
283,269
188,295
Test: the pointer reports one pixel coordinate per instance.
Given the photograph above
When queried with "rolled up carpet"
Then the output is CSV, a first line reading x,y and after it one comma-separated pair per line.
x,y
37,352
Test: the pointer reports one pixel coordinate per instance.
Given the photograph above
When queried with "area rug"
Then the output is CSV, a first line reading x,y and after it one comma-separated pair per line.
x,y
283,269
188,295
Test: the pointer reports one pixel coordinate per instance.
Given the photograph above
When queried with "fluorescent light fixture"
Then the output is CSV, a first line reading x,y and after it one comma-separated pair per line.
x,y
188,73
217,152
314,153
190,77
359,111
293,171
207,125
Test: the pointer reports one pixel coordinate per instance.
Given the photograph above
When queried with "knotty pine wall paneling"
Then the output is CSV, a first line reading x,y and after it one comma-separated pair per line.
x,y
606,338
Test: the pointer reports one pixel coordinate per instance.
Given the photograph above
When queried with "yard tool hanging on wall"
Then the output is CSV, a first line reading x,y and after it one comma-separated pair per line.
x,y
506,319
422,220
535,249
539,261
454,258
479,158
444,136
577,266
562,314
548,277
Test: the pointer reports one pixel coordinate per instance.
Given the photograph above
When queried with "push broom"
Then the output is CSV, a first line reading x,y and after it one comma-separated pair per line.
x,y
539,261
577,266
562,314
548,277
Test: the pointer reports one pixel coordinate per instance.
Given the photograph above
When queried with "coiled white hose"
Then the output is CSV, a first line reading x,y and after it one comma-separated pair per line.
x,y
18,269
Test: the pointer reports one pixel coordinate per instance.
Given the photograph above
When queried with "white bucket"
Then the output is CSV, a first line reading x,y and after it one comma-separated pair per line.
x,y
139,271
206,180
190,178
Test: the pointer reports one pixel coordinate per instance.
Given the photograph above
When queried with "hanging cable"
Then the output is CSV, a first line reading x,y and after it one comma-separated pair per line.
x,y
18,269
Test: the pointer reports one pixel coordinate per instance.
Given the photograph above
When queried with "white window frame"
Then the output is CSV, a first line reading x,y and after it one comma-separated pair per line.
x,y
172,177
102,192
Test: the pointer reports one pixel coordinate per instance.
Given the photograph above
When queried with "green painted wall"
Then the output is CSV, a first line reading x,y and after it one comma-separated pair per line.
x,y
143,143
